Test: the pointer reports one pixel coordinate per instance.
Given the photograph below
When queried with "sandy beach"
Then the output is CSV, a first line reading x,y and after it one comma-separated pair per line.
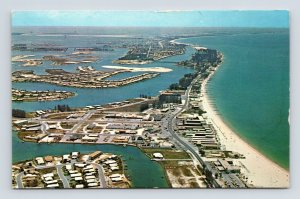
x,y
135,69
260,170
174,41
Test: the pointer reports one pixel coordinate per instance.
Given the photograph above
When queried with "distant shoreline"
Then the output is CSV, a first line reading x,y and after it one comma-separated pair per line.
x,y
141,69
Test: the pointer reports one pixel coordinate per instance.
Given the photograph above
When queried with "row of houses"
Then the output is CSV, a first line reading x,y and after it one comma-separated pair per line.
x,y
84,175
50,180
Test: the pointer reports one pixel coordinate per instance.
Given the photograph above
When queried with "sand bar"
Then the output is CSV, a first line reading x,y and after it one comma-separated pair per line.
x,y
135,69
260,170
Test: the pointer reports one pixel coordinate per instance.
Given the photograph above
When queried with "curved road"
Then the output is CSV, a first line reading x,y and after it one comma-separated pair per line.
x,y
100,175
62,176
172,119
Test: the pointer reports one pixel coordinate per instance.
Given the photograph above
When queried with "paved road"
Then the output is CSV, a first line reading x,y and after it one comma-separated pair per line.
x,y
172,120
64,179
84,118
78,125
44,127
19,180
59,172
62,176
100,174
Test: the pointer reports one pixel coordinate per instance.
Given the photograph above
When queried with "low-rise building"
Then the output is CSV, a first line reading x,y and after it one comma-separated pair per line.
x,y
158,156
95,155
40,160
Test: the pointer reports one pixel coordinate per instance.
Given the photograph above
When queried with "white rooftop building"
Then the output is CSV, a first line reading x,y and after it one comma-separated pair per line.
x,y
158,155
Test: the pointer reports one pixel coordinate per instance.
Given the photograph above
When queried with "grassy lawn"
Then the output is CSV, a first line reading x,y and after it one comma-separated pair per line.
x,y
178,169
30,115
97,116
67,125
23,134
56,131
47,170
168,153
59,115
96,129
194,184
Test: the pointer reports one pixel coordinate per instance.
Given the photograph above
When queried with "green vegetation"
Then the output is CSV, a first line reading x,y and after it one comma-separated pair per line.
x,y
48,170
167,153
184,82
58,116
67,125
145,96
19,113
23,134
62,108
138,107
194,184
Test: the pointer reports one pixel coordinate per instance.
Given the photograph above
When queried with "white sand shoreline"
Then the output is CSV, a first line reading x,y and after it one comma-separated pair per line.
x,y
261,171
140,69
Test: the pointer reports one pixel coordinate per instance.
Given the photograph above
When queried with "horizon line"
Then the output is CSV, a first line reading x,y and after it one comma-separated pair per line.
x,y
258,27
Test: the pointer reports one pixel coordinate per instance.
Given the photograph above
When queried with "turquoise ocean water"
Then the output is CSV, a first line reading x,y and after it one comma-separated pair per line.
x,y
251,88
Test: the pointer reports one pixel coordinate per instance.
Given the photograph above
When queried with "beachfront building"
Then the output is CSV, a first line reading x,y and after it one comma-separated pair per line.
x,y
223,174
199,131
169,97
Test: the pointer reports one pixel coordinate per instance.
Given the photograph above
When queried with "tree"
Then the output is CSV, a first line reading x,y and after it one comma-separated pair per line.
x,y
174,86
144,107
18,113
63,108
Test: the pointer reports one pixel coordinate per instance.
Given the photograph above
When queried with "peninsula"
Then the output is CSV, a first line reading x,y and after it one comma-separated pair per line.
x,y
29,96
83,79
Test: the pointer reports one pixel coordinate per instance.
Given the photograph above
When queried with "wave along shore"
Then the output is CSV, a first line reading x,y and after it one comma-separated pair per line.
x,y
261,171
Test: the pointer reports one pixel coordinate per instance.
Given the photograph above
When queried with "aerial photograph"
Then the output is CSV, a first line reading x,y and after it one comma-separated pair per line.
x,y
150,99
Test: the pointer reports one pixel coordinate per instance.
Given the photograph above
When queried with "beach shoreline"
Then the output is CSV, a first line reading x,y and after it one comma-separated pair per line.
x,y
140,69
261,171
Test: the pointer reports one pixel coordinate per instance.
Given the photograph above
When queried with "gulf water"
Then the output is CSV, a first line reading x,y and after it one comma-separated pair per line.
x,y
251,88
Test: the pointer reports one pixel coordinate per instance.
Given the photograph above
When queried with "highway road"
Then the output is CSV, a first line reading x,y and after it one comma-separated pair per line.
x,y
171,120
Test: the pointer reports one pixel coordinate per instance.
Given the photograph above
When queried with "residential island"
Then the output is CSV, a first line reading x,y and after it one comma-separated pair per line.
x,y
143,54
76,57
83,79
74,170
27,96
